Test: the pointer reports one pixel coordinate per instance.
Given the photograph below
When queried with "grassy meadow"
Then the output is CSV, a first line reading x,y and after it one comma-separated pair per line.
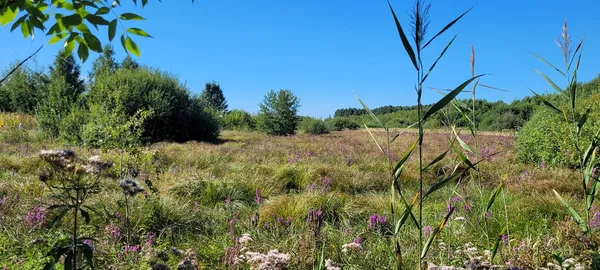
x,y
313,198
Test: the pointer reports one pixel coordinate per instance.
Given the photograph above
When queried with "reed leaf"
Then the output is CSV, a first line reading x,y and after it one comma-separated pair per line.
x,y
436,232
464,115
405,43
436,160
548,63
462,157
461,142
497,243
438,59
454,177
446,28
558,89
448,98
407,213
547,103
400,164
375,140
573,213
371,113
576,51
495,194
399,263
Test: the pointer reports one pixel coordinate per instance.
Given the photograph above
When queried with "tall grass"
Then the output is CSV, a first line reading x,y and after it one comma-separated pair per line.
x,y
419,28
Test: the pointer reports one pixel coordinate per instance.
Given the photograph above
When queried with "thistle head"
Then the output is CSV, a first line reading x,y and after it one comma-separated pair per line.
x,y
130,187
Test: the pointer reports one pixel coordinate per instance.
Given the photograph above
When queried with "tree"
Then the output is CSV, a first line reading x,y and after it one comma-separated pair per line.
x,y
278,113
74,21
106,62
21,92
212,96
129,63
62,95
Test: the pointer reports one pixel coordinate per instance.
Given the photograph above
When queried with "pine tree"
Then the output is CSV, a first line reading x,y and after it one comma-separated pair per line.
x,y
212,96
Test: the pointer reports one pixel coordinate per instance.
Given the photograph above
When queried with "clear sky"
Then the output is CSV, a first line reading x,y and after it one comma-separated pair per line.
x,y
320,49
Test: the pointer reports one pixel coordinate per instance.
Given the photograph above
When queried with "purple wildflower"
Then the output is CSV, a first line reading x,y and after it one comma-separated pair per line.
x,y
325,183
228,200
543,165
456,199
150,240
35,217
357,240
428,230
467,207
114,233
504,239
257,196
372,221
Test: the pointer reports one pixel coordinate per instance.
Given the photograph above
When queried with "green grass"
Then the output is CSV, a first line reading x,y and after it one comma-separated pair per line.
x,y
341,173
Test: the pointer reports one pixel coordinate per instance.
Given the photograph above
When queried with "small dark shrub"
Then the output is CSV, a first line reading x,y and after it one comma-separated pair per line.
x,y
341,123
313,126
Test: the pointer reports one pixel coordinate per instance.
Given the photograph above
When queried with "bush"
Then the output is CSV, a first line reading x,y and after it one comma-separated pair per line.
x,y
176,116
341,123
238,120
547,137
313,126
278,113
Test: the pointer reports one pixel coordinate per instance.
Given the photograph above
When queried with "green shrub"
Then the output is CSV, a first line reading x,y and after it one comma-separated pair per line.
x,y
176,116
238,120
278,113
547,137
341,123
313,126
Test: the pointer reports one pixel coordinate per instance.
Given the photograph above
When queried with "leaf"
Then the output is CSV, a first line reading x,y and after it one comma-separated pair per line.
x,y
83,53
58,217
460,141
575,53
112,29
18,22
548,104
370,112
447,27
435,233
88,253
454,177
406,214
573,213
131,16
69,46
55,29
96,20
375,140
399,264
131,46
448,98
102,11
462,157
549,81
438,59
495,194
497,243
71,20
407,46
57,38
145,2
400,164
547,63
436,160
8,14
93,42
26,29
139,32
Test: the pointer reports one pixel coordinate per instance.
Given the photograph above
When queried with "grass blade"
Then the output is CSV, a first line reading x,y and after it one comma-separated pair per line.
x,y
436,232
448,98
495,194
461,142
576,51
549,81
407,46
438,59
375,140
466,118
400,164
497,244
452,178
407,213
370,112
462,157
447,27
573,213
548,63
399,264
548,104
436,160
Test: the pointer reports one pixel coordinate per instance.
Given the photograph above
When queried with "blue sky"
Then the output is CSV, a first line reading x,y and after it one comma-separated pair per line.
x,y
322,49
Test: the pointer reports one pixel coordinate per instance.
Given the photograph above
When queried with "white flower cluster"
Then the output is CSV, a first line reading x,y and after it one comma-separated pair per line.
x,y
273,260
